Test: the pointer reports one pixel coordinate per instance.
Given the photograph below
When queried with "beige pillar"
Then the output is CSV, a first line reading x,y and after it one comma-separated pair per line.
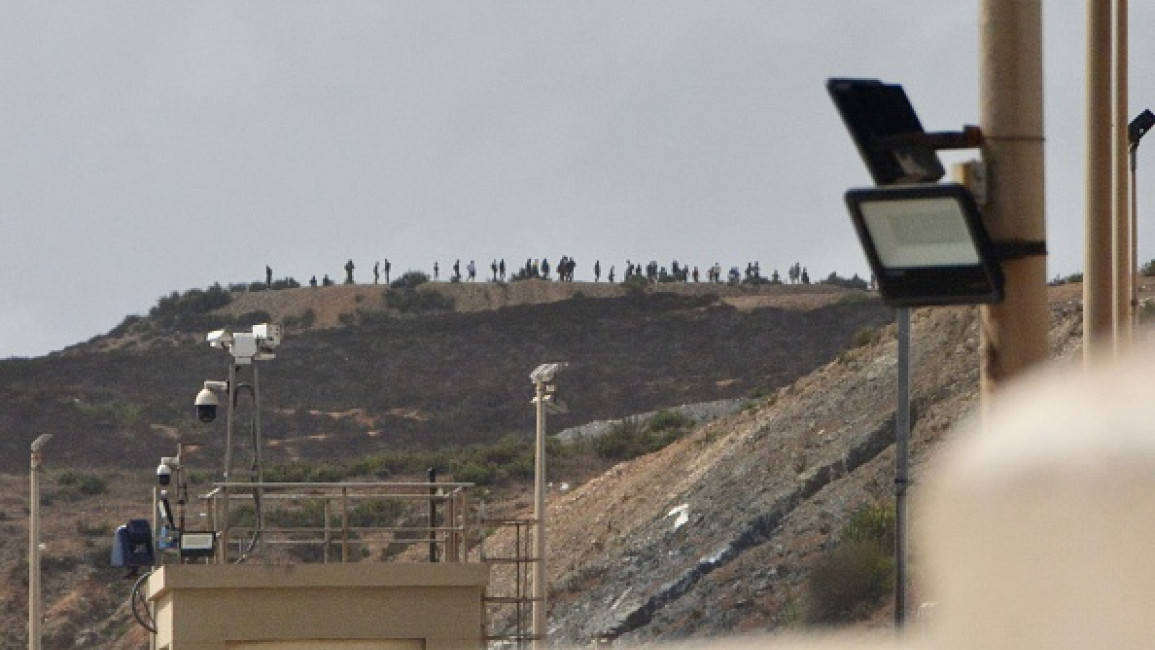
x,y
1123,234
1014,334
1098,285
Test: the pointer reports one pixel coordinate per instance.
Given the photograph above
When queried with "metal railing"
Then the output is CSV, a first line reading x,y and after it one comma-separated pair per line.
x,y
339,522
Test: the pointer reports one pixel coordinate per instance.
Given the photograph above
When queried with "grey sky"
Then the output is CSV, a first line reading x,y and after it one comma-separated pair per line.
x,y
151,147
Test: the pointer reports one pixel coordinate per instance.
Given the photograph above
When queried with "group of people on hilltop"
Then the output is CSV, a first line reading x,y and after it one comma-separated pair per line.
x,y
540,269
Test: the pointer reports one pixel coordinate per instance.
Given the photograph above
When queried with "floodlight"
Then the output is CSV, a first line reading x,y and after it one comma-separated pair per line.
x,y
926,245
1140,126
197,544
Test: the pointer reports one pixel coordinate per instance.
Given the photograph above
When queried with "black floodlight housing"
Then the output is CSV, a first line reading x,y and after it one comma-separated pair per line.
x,y
926,245
1140,126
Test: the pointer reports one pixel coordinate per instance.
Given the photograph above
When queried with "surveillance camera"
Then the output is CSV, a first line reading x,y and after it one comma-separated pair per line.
x,y
206,403
163,474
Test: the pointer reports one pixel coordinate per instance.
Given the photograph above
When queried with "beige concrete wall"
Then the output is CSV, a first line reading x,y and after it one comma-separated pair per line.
x,y
203,607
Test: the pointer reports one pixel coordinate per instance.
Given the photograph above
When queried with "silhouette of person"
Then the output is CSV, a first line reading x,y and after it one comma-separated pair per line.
x,y
436,271
493,267
457,271
325,281
387,266
376,273
501,269
472,269
313,281
268,277
597,270
349,272
611,276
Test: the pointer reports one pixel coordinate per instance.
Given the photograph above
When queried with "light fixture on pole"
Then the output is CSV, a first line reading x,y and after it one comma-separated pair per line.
x,y
1135,132
926,242
34,596
545,400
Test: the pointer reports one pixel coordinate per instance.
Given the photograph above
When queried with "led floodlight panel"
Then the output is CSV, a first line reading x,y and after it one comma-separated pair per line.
x,y
874,111
926,245
196,544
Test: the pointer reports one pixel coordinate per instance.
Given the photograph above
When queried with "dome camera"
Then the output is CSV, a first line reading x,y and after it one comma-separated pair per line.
x,y
206,403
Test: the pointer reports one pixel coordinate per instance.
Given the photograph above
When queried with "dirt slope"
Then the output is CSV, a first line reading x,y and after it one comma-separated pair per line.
x,y
715,534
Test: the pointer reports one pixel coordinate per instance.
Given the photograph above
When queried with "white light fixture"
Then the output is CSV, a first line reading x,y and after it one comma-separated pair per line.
x,y
926,245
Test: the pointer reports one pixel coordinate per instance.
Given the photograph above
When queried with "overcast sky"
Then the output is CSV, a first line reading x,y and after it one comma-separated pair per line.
x,y
151,147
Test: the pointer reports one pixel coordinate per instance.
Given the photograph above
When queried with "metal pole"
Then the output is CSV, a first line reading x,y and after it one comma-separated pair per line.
x,y
1014,332
901,454
34,600
258,440
1098,326
1123,231
431,473
231,397
1133,154
540,642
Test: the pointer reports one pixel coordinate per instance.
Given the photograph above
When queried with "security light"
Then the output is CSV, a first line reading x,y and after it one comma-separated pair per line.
x,y
926,245
1140,126
197,544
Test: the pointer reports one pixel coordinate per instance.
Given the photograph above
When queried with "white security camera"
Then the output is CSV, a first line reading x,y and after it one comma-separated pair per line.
x,y
206,403
163,473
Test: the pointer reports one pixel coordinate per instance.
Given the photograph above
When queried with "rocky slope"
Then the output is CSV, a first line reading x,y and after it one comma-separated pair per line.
x,y
715,534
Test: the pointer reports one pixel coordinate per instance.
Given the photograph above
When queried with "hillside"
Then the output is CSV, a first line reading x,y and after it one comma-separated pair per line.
x,y
357,374
765,490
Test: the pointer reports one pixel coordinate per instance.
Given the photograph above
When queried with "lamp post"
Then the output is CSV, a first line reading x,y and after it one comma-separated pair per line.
x,y
34,602
1135,132
544,400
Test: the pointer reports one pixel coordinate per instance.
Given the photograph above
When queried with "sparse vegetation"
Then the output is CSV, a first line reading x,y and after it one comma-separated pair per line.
x,y
80,484
305,321
636,283
849,581
115,412
852,298
629,439
853,282
864,336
